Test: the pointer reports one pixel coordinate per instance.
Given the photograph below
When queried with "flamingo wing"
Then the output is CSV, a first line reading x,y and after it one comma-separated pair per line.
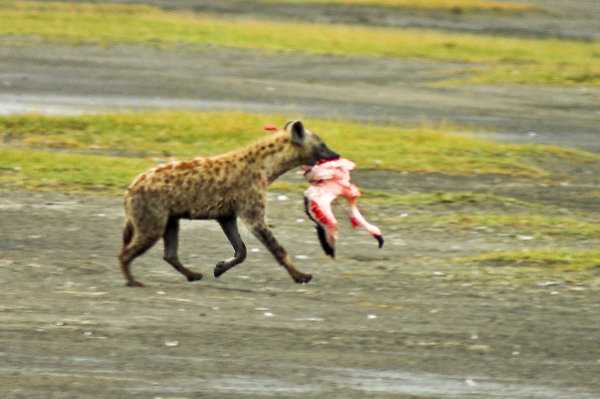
x,y
317,205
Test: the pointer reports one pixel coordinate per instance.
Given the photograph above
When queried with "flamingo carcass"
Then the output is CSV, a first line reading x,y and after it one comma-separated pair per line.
x,y
330,180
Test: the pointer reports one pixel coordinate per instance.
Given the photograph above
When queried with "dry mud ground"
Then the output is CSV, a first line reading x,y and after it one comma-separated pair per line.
x,y
402,321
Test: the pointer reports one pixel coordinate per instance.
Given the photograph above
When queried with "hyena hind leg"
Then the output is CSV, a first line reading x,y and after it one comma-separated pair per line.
x,y
135,244
171,240
230,228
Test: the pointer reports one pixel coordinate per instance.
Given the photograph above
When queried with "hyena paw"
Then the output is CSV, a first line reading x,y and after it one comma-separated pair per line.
x,y
303,278
193,276
220,268
134,283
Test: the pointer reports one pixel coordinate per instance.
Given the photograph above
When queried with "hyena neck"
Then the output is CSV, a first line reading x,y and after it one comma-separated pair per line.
x,y
280,169
275,155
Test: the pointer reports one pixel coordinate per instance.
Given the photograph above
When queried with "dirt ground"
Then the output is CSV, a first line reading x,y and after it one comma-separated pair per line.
x,y
402,321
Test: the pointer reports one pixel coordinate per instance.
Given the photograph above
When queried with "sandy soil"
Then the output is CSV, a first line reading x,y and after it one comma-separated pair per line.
x,y
401,321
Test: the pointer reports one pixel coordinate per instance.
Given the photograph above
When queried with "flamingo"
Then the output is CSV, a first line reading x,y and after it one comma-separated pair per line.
x,y
330,180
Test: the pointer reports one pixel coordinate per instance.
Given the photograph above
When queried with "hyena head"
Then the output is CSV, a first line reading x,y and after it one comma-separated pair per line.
x,y
308,145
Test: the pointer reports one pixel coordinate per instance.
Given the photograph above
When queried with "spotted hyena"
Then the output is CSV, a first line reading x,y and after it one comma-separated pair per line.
x,y
223,187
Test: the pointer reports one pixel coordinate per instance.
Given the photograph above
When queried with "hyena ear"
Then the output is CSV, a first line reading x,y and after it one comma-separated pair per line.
x,y
296,129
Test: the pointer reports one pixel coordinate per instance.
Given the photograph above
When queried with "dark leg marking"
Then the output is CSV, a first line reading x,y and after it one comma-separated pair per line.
x,y
230,228
171,240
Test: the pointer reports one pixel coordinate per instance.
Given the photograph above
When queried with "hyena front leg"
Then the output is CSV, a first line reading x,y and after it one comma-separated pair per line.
x,y
230,228
171,239
263,233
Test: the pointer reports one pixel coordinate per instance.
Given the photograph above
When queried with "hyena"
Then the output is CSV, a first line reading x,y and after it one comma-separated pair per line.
x,y
223,187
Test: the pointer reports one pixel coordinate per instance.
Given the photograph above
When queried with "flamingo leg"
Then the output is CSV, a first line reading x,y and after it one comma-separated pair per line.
x,y
357,219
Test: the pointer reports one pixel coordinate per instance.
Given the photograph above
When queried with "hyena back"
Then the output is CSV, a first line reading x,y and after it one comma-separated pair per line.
x,y
223,187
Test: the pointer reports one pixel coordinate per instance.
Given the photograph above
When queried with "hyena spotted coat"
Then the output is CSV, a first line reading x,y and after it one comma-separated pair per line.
x,y
223,187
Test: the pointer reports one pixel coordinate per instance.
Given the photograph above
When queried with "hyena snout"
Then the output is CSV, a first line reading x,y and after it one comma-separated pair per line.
x,y
323,153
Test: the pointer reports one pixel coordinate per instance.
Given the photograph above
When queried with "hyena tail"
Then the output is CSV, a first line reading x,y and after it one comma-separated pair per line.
x,y
127,233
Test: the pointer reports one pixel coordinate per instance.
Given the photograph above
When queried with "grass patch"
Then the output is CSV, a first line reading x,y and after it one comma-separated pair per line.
x,y
541,267
536,225
510,225
56,171
452,6
184,134
499,59
541,260
190,134
56,152
50,171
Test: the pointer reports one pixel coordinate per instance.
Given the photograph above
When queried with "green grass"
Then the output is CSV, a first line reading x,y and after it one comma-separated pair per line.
x,y
510,224
49,171
537,225
492,58
189,134
162,133
453,6
559,266
91,139
26,169
541,260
